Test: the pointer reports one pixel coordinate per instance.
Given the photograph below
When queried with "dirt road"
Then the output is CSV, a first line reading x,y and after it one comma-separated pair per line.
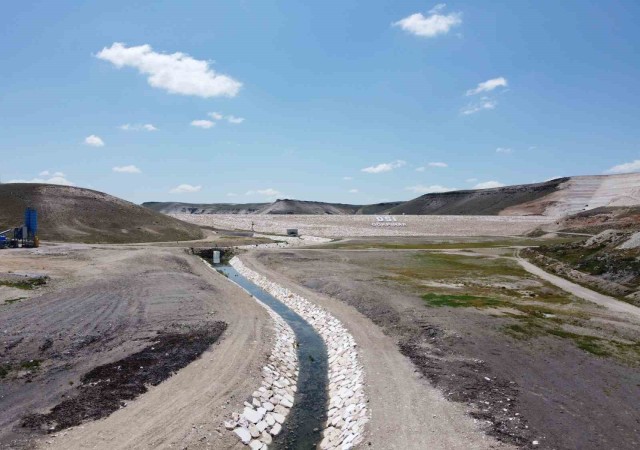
x,y
406,411
581,291
106,302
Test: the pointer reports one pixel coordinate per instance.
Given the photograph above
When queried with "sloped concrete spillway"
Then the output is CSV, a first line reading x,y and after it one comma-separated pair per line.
x,y
304,424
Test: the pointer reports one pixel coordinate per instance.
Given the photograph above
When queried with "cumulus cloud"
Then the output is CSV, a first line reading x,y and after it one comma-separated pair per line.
x,y
46,173
421,189
94,141
177,73
488,185
347,178
504,150
353,191
269,192
434,24
206,124
51,178
235,120
231,119
485,103
633,166
184,189
126,169
138,127
489,85
384,167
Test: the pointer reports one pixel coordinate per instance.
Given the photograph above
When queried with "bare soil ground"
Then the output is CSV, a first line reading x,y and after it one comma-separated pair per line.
x,y
111,309
526,360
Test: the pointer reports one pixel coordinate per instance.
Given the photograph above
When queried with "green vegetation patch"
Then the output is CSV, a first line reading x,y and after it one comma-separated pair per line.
x,y
13,300
4,370
27,284
461,301
33,364
591,344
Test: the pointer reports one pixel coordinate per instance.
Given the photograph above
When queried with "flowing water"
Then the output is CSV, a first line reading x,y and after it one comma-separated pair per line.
x,y
304,424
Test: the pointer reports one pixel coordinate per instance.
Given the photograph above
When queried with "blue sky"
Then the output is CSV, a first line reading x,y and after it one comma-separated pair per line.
x,y
346,101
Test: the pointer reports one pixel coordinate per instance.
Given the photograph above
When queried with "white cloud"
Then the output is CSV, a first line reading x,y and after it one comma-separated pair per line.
x,y
347,178
504,150
488,185
485,103
185,188
206,124
269,192
138,127
94,141
432,164
471,180
46,173
231,119
55,178
231,194
633,166
353,191
489,85
235,120
127,169
431,25
177,73
384,167
421,189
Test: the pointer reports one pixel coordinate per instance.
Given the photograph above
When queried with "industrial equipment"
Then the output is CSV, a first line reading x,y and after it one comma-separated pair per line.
x,y
25,235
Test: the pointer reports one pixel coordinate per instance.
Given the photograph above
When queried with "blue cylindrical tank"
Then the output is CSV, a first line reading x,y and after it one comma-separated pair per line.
x,y
31,221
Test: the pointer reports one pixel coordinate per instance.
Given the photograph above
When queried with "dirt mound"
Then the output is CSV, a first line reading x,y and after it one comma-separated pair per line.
x,y
72,214
607,237
599,219
632,242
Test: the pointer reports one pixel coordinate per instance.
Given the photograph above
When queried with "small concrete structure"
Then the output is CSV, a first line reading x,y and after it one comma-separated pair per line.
x,y
292,232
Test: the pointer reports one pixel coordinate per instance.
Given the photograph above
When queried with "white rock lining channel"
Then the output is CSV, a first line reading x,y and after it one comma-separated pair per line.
x,y
348,411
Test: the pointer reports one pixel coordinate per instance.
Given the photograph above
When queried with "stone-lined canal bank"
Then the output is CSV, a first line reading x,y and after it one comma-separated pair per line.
x,y
347,412
288,410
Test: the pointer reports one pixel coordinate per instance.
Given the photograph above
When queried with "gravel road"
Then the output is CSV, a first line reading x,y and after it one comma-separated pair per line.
x,y
581,291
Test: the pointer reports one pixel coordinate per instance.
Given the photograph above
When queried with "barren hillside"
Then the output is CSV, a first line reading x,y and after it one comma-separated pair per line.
x,y
558,197
81,215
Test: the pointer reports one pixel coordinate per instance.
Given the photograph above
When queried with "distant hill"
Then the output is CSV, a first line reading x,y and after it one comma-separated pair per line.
x,y
284,206
488,202
558,197
72,214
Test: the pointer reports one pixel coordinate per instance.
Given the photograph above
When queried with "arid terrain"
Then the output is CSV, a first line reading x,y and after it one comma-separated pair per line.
x,y
109,308
555,198
458,342
527,360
